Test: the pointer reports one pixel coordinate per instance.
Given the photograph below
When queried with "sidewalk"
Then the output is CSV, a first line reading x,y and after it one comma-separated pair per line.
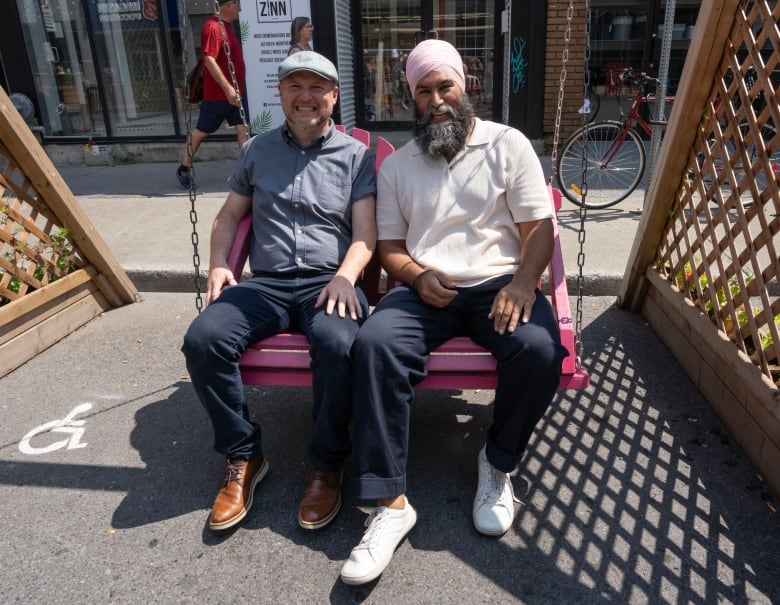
x,y
145,219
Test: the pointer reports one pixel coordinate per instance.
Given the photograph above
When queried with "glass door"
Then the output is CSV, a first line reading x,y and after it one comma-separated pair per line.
x,y
469,26
56,35
392,28
102,68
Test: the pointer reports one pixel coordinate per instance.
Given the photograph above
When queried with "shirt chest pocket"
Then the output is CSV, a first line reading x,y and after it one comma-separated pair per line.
x,y
333,194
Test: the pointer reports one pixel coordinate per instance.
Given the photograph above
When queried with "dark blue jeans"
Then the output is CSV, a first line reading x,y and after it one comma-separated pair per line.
x,y
390,354
253,310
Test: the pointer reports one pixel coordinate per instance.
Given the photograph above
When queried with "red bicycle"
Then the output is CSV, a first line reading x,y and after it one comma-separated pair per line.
x,y
616,156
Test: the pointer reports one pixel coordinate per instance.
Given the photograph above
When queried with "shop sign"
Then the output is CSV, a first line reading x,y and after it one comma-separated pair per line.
x,y
265,46
150,10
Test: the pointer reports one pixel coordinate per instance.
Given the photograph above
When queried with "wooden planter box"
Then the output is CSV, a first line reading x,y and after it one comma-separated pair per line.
x,y
745,399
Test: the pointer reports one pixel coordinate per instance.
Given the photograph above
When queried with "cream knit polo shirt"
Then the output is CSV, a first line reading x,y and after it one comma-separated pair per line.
x,y
460,217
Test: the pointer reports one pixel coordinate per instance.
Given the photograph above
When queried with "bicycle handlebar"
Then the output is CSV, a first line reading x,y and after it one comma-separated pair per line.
x,y
641,79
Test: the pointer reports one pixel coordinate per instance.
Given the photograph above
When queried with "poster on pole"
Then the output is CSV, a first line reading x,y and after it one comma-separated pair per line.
x,y
267,23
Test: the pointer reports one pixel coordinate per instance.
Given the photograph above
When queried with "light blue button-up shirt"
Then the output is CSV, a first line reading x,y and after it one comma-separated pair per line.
x,y
302,198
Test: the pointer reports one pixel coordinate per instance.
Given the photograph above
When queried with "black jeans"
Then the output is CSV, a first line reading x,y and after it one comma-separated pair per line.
x,y
251,311
390,354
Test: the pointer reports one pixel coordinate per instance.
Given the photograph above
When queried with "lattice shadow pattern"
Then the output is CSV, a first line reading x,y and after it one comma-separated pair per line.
x,y
636,486
632,490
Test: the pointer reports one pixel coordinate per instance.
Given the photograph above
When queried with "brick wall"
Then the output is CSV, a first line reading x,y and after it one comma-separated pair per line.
x,y
557,18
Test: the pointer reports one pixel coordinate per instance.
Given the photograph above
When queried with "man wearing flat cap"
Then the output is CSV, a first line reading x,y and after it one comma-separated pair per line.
x,y
464,223
311,191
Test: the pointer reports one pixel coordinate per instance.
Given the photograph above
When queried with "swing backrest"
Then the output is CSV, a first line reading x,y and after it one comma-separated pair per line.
x,y
362,135
283,359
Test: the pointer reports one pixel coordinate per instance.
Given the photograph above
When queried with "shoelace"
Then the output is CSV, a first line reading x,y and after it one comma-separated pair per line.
x,y
375,522
495,489
233,473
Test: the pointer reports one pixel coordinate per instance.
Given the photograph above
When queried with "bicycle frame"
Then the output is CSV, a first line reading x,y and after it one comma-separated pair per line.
x,y
641,98
616,157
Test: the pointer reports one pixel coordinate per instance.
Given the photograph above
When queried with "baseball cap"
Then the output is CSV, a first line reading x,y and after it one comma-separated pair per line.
x,y
308,60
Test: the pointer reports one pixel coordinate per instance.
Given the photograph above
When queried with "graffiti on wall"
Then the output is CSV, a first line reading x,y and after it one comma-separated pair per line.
x,y
518,63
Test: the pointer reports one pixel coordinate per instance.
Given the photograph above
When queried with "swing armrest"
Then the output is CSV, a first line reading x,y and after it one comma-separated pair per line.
x,y
559,293
239,250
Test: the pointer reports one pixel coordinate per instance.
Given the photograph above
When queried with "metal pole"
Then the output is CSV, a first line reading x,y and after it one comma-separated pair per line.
x,y
660,93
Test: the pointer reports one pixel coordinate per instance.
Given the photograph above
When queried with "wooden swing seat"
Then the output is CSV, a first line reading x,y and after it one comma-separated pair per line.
x,y
283,359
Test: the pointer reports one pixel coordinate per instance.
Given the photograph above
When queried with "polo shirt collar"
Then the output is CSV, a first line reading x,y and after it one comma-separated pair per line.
x,y
479,135
289,138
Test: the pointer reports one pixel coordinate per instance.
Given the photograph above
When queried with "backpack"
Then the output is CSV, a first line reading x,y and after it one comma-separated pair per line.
x,y
195,82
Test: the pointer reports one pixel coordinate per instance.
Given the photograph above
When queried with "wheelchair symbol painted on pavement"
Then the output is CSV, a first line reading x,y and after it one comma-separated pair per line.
x,y
65,425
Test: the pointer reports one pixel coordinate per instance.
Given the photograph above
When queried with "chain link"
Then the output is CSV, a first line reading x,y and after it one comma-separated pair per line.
x,y
578,346
561,83
193,194
231,67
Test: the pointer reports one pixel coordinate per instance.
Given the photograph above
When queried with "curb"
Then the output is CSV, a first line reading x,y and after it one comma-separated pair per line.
x,y
162,280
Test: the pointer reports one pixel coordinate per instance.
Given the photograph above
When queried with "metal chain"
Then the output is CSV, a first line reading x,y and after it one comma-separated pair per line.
x,y
231,67
562,82
578,346
193,194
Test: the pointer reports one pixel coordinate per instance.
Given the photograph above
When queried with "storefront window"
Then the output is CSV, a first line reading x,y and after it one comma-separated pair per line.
x,y
102,67
55,32
392,28
469,27
630,33
133,60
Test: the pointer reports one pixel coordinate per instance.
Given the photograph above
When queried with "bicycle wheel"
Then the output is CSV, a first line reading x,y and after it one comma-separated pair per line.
x,y
615,164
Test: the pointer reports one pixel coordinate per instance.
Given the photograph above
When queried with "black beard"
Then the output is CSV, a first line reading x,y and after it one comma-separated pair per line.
x,y
446,139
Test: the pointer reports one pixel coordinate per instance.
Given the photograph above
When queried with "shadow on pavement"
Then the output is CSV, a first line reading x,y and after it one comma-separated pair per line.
x,y
570,219
633,491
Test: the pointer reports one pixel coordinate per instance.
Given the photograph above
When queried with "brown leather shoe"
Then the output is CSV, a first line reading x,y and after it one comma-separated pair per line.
x,y
235,498
321,499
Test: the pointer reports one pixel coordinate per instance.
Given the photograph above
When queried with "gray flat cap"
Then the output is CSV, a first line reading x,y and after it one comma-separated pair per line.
x,y
308,60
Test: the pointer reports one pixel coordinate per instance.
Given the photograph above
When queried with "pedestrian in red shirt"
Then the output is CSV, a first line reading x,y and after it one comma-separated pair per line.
x,y
221,100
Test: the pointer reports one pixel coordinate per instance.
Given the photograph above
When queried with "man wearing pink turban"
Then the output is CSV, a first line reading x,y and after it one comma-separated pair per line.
x,y
464,223
434,55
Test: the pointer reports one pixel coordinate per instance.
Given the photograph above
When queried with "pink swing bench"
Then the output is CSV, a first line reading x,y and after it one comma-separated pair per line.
x,y
283,359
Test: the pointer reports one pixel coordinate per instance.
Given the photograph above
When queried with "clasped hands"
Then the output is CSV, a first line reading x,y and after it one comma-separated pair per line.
x,y
512,304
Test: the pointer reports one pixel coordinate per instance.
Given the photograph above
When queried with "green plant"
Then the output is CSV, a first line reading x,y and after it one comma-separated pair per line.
x,y
262,123
766,336
63,248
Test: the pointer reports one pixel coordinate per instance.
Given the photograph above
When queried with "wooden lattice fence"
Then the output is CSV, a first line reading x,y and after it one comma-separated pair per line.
x,y
704,268
56,273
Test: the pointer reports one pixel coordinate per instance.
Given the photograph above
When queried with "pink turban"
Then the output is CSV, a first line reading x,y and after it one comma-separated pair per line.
x,y
434,55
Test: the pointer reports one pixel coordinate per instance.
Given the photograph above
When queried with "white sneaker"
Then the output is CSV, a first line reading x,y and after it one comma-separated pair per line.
x,y
386,529
494,503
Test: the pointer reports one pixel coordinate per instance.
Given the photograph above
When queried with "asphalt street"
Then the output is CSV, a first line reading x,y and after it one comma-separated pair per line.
x,y
632,490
